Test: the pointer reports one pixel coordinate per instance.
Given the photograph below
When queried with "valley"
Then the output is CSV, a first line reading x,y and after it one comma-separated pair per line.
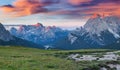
x,y
59,34
21,58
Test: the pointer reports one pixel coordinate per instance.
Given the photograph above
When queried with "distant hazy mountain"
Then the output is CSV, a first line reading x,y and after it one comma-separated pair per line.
x,y
45,35
7,39
96,33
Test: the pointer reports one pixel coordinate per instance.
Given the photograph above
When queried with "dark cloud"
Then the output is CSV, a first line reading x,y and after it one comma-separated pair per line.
x,y
10,6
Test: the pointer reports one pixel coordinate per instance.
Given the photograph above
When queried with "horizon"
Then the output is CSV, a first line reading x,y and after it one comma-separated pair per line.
x,y
17,25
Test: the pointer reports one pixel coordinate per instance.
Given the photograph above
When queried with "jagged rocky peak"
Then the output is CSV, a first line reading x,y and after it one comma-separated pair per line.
x,y
108,23
95,25
100,30
50,27
38,33
2,27
38,25
113,22
95,15
101,15
4,34
21,27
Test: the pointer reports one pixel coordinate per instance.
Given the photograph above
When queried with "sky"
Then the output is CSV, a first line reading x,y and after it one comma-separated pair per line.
x,y
64,13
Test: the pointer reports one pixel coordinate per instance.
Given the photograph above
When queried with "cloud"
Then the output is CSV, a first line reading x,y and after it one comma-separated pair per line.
x,y
7,8
104,8
27,7
68,8
78,2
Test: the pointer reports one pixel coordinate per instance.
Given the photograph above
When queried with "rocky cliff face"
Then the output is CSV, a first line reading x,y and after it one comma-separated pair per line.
x,y
97,32
45,35
4,34
7,39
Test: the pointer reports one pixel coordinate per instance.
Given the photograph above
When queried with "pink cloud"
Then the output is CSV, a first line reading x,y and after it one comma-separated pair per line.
x,y
78,2
26,7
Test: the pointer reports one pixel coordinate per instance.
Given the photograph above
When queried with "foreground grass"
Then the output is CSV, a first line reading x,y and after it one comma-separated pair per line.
x,y
20,58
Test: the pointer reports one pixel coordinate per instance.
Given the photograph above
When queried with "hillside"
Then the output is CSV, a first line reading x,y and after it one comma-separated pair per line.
x,y
21,58
96,33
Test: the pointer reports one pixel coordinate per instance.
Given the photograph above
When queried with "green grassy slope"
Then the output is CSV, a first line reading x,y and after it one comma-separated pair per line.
x,y
21,58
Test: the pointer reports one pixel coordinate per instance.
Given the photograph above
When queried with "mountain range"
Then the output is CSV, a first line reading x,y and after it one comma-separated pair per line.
x,y
98,32
38,33
7,39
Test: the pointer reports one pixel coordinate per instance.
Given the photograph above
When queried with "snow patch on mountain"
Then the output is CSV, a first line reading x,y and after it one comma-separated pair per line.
x,y
97,32
72,38
115,34
98,25
39,33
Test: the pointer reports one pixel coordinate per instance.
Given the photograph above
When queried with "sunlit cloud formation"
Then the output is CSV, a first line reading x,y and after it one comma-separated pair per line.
x,y
26,7
77,8
78,2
